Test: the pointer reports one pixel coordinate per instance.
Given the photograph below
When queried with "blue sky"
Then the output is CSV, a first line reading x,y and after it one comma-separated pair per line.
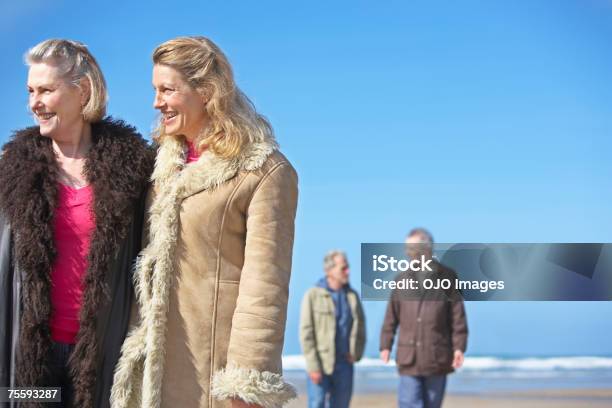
x,y
485,121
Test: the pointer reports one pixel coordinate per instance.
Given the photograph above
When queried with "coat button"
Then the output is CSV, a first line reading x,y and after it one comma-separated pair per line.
x,y
418,343
419,320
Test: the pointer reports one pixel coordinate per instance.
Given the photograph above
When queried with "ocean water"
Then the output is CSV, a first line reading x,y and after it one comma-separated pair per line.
x,y
482,375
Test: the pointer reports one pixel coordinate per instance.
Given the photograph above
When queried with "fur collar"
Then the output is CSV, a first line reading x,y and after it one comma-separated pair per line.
x,y
139,374
210,170
118,166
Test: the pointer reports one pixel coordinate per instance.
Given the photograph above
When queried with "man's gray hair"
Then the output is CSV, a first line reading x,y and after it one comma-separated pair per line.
x,y
423,232
328,260
428,243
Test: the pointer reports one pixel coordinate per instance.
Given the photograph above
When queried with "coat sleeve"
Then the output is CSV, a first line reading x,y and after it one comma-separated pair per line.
x,y
390,323
254,368
460,329
361,332
308,339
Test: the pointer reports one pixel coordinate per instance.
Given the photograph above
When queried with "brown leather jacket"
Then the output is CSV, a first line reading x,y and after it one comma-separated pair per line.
x,y
430,330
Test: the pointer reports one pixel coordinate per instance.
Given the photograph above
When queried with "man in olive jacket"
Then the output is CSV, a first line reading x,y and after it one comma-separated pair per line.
x,y
432,334
332,334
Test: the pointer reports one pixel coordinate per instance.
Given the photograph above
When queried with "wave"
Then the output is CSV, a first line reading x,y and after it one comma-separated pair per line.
x,y
539,363
530,364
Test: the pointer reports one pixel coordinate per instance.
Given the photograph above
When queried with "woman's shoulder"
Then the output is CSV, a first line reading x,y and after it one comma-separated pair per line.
x,y
119,130
24,133
275,172
25,151
21,138
276,162
122,145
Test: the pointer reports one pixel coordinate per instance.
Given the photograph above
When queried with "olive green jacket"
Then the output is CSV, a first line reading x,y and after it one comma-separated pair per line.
x,y
318,329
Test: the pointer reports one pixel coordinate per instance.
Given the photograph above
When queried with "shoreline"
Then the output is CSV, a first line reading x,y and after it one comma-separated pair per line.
x,y
550,398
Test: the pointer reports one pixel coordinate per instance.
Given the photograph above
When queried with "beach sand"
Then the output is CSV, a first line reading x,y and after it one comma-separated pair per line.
x,y
579,398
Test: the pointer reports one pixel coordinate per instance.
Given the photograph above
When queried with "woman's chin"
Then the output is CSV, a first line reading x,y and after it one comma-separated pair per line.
x,y
172,131
46,130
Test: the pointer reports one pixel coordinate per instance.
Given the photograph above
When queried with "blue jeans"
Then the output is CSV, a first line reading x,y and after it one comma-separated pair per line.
x,y
421,391
334,391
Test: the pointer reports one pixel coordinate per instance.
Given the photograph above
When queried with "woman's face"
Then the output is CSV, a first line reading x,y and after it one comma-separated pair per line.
x,y
56,103
182,107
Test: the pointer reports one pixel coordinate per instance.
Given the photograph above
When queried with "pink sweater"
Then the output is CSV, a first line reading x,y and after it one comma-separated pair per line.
x,y
192,153
73,226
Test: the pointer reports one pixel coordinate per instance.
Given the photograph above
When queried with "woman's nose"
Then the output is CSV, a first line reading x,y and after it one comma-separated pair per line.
x,y
157,101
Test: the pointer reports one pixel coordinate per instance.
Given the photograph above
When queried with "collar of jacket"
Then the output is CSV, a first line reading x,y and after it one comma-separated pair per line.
x,y
325,291
142,357
118,167
172,172
322,283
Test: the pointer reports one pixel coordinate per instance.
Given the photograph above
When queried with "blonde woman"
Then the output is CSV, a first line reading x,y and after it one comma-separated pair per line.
x,y
72,194
213,281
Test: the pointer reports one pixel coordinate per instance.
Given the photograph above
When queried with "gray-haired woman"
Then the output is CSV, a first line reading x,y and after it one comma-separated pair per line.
x,y
71,209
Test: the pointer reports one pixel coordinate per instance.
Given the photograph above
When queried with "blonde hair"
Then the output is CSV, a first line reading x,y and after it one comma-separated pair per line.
x,y
75,63
233,121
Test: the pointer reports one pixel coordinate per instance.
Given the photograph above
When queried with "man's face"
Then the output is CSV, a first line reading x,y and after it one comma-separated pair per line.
x,y
340,271
416,245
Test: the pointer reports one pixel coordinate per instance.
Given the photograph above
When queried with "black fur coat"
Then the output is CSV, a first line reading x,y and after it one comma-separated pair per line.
x,y
118,167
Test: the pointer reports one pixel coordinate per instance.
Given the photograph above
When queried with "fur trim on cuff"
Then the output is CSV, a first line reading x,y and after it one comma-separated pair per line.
x,y
254,387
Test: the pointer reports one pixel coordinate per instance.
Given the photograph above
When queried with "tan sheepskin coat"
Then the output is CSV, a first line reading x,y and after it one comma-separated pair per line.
x,y
212,283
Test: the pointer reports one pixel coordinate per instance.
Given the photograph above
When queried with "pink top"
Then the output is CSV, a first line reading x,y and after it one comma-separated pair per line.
x,y
192,153
73,226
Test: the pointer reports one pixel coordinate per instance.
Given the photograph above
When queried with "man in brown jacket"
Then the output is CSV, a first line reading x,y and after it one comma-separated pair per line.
x,y
432,335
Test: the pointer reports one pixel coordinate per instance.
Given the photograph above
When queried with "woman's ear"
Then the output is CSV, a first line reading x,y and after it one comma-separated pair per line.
x,y
85,90
205,94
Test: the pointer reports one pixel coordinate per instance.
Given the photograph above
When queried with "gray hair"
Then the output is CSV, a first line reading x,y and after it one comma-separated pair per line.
x,y
424,233
75,63
328,260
